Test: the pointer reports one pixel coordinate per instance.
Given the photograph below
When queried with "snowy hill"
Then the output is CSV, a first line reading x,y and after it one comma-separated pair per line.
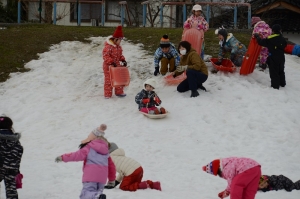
x,y
60,101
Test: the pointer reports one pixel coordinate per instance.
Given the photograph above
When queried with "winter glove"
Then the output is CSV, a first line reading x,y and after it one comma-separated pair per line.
x,y
58,159
111,184
146,100
218,63
114,64
156,71
157,100
223,194
181,68
232,56
124,63
256,35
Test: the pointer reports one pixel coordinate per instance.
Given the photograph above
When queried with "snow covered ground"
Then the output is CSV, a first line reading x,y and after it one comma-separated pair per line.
x,y
60,101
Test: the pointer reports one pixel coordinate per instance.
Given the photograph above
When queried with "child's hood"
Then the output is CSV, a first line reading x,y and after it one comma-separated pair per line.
x,y
100,146
118,152
109,41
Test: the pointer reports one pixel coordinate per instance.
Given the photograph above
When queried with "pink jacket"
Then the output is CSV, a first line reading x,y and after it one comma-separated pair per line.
x,y
97,166
112,53
196,22
233,166
262,28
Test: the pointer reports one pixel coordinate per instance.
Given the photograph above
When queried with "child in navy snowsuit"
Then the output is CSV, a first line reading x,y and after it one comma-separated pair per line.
x,y
11,152
276,60
274,182
147,99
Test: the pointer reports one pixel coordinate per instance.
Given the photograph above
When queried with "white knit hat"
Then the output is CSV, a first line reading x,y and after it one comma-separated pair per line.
x,y
197,7
150,82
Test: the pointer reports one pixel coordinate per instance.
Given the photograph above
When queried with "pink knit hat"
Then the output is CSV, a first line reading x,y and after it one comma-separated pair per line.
x,y
95,133
254,20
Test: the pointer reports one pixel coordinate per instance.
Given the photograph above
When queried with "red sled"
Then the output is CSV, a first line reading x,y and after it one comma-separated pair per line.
x,y
119,76
226,65
170,80
194,37
250,57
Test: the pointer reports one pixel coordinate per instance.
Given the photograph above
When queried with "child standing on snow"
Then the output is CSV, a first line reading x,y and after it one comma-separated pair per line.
x,y
147,99
113,57
276,59
97,167
274,182
263,29
11,152
242,175
130,172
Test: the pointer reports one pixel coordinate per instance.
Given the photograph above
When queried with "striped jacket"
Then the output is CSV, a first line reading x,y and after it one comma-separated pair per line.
x,y
11,151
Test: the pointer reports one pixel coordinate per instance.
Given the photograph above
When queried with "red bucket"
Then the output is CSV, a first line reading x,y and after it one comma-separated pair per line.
x,y
170,80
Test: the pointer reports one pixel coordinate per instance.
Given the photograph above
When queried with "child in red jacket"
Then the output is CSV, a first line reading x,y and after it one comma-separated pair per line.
x,y
113,57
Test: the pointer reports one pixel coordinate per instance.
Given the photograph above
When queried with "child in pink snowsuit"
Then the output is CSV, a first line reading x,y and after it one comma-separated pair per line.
x,y
196,20
97,167
242,175
263,29
113,57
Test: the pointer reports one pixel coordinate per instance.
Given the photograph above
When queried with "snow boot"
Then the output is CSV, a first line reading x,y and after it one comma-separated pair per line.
x,y
195,94
156,111
162,110
102,196
121,95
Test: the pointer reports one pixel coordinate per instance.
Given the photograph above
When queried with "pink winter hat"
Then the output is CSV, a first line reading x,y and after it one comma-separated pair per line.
x,y
254,20
95,133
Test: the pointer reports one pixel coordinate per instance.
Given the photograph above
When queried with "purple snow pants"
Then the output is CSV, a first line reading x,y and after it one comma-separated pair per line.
x,y
91,189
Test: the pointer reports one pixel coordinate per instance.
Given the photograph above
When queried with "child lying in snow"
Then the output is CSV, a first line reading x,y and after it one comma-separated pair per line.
x,y
273,182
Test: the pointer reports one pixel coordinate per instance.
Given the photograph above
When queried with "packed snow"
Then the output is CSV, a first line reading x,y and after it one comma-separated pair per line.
x,y
60,101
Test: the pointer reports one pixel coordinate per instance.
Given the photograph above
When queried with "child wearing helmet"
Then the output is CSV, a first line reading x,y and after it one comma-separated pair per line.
x,y
196,20
147,99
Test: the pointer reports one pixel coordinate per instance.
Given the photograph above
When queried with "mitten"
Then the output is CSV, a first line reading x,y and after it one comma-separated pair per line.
x,y
223,194
124,63
146,100
181,68
114,64
111,184
256,35
58,159
156,70
218,63
157,100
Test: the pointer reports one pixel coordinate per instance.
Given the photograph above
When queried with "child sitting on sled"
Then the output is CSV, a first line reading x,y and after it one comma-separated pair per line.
x,y
147,99
242,175
130,172
274,182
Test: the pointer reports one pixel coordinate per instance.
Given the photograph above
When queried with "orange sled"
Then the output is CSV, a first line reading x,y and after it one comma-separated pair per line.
x,y
119,76
194,37
227,65
170,80
250,57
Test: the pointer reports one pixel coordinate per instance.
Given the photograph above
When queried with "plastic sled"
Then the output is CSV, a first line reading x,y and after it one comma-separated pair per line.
x,y
227,65
194,37
250,57
119,76
152,116
170,80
